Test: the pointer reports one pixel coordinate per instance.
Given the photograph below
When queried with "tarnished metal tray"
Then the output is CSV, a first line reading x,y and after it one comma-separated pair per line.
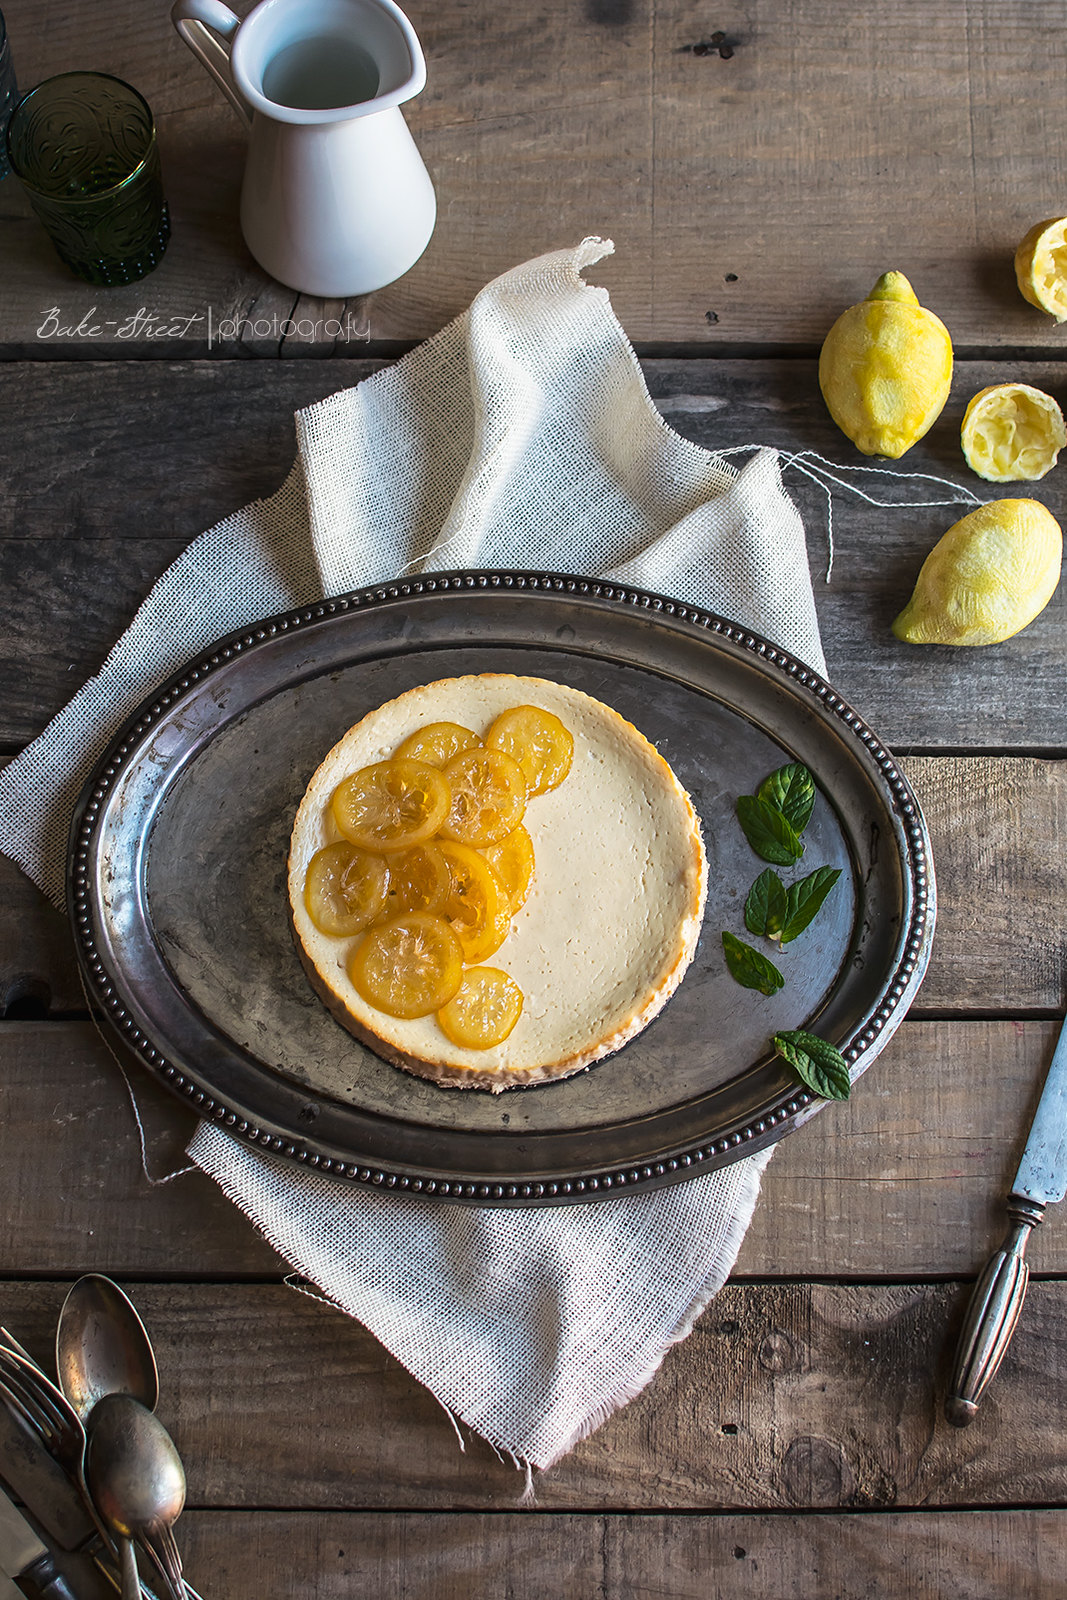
x,y
177,890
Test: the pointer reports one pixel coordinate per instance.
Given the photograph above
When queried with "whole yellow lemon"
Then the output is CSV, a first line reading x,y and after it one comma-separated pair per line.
x,y
886,368
986,578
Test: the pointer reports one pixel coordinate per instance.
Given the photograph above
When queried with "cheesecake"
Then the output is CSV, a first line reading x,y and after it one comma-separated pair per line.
x,y
611,915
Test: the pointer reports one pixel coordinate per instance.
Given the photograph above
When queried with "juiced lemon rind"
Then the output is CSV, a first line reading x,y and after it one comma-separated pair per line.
x,y
1012,433
1041,267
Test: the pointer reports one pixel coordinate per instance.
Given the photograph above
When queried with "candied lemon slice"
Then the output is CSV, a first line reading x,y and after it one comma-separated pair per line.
x,y
345,888
408,967
488,797
477,905
437,743
1041,267
538,741
986,578
391,805
513,862
483,1010
1012,433
885,369
419,880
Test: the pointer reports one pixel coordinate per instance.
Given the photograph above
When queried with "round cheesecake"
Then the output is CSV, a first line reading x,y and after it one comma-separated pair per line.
x,y
613,914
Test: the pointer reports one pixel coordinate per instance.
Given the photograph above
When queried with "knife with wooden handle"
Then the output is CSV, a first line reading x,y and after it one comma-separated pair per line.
x,y
25,1556
997,1297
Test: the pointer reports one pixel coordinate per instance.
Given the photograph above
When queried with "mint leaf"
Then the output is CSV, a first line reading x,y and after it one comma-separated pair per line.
x,y
768,831
765,907
790,790
818,1064
750,969
803,899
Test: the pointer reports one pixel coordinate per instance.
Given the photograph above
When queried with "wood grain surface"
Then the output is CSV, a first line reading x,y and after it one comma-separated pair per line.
x,y
997,827
907,1178
778,1400
742,215
757,166
113,468
481,1556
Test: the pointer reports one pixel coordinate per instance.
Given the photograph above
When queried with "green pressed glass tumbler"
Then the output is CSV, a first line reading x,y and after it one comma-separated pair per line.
x,y
8,94
84,146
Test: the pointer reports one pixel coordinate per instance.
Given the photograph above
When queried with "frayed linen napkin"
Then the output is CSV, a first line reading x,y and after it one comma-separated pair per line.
x,y
522,435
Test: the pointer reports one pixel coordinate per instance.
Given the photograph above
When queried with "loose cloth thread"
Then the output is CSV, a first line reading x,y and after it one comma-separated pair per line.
x,y
521,435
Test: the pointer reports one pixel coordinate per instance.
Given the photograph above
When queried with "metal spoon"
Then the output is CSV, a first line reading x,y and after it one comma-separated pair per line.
x,y
137,1482
103,1348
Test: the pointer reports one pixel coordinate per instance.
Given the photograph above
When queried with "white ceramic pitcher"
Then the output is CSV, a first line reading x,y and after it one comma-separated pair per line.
x,y
336,200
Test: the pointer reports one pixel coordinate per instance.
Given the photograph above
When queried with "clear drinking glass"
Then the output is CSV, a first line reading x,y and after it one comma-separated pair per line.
x,y
84,146
8,94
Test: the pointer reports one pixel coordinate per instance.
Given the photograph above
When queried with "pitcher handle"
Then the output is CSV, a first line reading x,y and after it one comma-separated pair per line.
x,y
198,21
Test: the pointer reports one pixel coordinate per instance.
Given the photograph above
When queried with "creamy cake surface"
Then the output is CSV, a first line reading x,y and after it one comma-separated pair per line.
x,y
611,920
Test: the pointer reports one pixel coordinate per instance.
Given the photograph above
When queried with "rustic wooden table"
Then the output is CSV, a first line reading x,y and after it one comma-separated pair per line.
x,y
758,165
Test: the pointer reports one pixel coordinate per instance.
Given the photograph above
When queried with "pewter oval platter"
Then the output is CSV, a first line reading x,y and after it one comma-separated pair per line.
x,y
178,897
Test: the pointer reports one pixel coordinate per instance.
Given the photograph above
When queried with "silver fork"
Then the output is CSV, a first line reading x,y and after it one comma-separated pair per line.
x,y
47,1412
163,1549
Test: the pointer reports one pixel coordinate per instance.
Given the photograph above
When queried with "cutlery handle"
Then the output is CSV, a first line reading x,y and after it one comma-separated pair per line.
x,y
44,1581
993,1311
131,1582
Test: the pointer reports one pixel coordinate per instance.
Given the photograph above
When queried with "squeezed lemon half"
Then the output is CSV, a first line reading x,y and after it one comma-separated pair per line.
x,y
986,578
1012,433
1041,267
885,369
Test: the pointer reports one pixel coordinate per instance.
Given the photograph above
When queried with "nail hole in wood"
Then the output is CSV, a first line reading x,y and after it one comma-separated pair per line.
x,y
25,999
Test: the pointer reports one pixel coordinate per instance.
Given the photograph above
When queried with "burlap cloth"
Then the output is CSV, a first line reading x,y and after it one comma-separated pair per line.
x,y
522,435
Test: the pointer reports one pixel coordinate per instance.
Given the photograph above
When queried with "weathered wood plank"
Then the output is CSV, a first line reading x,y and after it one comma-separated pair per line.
x,y
561,1556
785,1397
800,143
906,1178
114,468
997,826
999,831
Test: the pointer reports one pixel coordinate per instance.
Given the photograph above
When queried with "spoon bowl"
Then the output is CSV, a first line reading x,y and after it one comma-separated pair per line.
x,y
104,1355
136,1479
134,1471
102,1347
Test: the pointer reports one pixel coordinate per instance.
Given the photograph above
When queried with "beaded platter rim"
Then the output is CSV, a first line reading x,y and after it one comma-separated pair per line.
x,y
789,1111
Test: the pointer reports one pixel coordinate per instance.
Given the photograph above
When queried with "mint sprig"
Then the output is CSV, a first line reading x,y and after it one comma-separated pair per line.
x,y
817,1063
790,790
773,820
766,906
803,901
751,969
769,832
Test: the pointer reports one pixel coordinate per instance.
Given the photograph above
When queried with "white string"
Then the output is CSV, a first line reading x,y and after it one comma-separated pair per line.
x,y
828,492
825,473
156,1183
960,494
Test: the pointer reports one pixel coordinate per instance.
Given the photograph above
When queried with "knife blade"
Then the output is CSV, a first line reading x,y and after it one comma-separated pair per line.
x,y
997,1298
25,1556
1042,1174
38,1481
